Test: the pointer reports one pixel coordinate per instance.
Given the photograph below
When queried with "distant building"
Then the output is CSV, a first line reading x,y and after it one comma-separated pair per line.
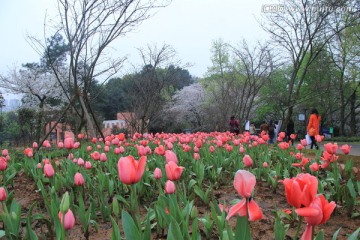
x,y
125,120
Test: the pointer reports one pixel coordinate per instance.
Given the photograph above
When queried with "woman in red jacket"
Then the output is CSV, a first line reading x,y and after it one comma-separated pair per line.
x,y
313,127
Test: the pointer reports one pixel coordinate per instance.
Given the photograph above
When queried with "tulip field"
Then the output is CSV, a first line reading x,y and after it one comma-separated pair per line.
x,y
179,186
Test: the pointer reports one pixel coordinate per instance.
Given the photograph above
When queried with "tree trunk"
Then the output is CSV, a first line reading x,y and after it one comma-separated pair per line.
x,y
88,119
353,114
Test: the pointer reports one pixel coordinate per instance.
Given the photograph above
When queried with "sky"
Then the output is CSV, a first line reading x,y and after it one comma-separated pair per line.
x,y
189,26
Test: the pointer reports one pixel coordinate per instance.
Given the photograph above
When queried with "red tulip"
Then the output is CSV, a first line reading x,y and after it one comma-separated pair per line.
x,y
331,148
130,171
79,179
28,152
173,171
95,155
284,145
300,147
170,187
282,135
317,213
160,150
80,136
319,138
345,149
2,194
248,162
69,219
300,190
49,170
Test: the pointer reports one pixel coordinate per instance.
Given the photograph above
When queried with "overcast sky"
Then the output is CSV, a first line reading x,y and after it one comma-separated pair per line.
x,y
189,26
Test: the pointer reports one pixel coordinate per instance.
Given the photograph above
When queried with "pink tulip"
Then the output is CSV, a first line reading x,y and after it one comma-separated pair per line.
x,y
314,167
79,179
265,165
345,149
157,173
47,144
2,194
170,187
68,221
87,165
106,149
49,170
60,145
244,183
69,143
3,164
80,162
38,165
130,171
170,156
196,156
76,145
212,149
103,157
304,142
173,171
248,162
89,148
5,152
35,145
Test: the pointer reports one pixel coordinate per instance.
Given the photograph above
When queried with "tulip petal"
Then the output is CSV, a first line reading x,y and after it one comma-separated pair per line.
x,y
140,168
244,183
307,235
239,208
255,212
307,212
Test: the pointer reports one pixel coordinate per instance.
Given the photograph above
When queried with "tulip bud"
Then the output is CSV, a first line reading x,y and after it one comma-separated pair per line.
x,y
65,203
2,194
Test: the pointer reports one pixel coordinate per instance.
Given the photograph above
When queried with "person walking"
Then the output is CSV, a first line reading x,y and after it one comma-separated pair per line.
x,y
234,125
313,127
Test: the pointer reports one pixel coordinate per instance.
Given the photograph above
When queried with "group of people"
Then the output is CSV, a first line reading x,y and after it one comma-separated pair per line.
x,y
273,128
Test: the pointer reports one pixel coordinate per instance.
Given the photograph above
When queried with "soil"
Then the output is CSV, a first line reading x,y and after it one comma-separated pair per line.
x,y
25,193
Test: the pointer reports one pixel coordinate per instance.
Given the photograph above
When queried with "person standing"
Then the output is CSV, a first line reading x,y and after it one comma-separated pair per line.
x,y
234,125
290,129
313,127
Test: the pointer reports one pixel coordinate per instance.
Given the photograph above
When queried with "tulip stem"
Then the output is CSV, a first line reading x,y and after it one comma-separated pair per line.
x,y
298,228
134,204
